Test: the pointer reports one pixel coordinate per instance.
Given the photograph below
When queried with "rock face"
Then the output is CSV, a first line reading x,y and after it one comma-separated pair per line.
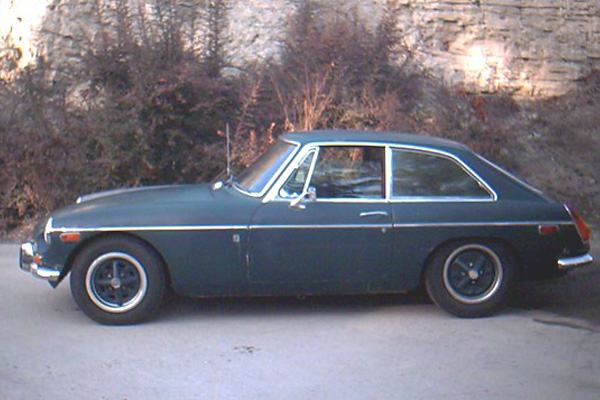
x,y
533,48
19,20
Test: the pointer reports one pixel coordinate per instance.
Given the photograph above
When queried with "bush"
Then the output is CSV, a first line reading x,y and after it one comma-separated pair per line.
x,y
151,104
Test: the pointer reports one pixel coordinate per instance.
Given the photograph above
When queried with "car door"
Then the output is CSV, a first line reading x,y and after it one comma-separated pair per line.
x,y
339,234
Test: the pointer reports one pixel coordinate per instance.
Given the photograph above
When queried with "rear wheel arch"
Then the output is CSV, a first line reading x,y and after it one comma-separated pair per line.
x,y
480,239
470,277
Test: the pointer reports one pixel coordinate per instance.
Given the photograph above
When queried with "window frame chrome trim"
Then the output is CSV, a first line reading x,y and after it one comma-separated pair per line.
x,y
353,200
388,173
424,199
272,194
509,175
276,174
452,157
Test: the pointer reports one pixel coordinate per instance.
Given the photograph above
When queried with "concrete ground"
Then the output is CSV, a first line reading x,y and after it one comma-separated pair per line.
x,y
546,345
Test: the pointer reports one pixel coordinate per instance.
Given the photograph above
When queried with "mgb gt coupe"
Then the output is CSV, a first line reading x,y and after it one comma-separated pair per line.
x,y
329,212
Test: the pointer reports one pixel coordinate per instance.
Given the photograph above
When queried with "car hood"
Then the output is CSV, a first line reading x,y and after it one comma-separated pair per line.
x,y
153,194
181,205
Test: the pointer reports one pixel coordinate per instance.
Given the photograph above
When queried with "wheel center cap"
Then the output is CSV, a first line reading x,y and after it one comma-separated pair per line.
x,y
115,283
473,274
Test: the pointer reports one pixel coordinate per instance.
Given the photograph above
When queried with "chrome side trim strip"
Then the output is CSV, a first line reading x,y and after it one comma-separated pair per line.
x,y
215,228
348,226
307,226
152,228
467,224
574,262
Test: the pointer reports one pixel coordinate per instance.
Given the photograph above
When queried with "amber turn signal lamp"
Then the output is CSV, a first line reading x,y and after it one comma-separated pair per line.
x,y
548,229
70,237
582,228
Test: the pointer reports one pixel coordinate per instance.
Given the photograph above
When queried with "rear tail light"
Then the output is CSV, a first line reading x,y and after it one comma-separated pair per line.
x,y
582,228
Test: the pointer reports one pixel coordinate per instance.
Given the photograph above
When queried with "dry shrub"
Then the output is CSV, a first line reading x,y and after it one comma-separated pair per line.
x,y
152,100
144,110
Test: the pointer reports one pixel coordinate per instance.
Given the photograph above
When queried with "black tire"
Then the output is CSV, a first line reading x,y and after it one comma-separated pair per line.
x,y
128,297
470,279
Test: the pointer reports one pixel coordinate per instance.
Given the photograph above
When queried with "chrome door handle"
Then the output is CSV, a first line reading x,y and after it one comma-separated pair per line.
x,y
373,214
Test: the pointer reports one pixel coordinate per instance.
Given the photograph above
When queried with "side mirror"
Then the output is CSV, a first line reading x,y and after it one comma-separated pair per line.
x,y
310,195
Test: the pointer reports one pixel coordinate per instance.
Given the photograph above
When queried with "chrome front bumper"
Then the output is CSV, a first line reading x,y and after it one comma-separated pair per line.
x,y
29,263
574,262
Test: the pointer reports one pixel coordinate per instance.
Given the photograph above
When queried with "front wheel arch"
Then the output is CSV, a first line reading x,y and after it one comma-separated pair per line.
x,y
100,236
118,280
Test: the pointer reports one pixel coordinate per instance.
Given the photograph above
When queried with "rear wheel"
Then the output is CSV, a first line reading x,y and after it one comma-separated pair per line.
x,y
117,280
470,279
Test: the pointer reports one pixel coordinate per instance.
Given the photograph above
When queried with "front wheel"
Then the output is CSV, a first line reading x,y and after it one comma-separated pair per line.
x,y
470,279
117,280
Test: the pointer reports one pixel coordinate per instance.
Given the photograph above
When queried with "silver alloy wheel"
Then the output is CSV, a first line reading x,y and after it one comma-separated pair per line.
x,y
116,282
473,273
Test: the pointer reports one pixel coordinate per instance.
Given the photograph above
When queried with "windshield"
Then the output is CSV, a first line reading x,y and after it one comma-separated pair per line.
x,y
256,177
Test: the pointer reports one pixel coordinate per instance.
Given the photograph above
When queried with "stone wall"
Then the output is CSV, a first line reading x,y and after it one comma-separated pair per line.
x,y
533,48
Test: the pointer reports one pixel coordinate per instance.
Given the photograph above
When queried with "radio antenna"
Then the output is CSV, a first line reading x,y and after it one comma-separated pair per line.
x,y
228,152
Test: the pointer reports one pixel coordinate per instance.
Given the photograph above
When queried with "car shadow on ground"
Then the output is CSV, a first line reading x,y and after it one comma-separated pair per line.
x,y
176,307
575,296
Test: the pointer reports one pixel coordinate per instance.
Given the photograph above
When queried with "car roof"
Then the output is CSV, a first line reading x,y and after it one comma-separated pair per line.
x,y
387,137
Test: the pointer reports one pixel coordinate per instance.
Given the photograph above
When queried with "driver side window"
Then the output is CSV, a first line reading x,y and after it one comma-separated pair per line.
x,y
347,172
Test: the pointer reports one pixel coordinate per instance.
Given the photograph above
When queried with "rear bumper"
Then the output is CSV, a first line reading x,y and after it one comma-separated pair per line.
x,y
574,262
32,264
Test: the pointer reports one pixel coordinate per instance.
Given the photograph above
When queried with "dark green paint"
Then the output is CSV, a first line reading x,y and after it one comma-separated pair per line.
x,y
342,255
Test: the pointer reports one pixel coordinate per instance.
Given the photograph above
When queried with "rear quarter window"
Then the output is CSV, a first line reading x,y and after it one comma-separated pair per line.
x,y
419,174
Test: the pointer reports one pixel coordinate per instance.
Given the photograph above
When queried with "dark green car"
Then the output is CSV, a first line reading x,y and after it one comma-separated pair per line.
x,y
329,212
